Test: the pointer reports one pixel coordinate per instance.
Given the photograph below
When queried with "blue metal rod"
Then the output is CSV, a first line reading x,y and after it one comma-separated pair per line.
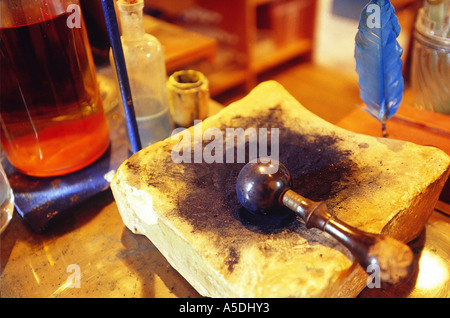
x,y
121,69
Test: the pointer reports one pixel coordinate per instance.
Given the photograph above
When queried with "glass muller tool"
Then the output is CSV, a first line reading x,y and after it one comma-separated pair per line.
x,y
263,194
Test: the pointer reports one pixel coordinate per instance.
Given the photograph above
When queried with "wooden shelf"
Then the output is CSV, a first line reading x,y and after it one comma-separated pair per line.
x,y
263,62
225,79
288,25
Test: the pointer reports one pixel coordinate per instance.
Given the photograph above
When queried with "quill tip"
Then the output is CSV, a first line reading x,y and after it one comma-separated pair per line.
x,y
384,130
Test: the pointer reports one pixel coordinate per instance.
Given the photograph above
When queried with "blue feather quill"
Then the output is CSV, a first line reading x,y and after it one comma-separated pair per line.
x,y
378,61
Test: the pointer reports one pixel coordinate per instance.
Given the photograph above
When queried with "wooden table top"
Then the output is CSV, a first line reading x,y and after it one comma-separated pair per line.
x,y
93,245
432,247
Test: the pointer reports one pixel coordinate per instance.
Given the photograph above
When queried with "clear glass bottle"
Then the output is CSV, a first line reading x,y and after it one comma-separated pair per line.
x,y
144,59
430,71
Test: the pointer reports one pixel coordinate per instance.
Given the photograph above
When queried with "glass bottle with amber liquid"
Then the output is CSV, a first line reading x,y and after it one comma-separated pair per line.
x,y
51,113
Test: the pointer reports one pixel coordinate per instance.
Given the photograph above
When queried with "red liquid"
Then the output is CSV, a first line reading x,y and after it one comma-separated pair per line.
x,y
51,112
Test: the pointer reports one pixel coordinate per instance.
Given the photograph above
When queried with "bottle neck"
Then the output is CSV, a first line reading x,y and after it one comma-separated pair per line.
x,y
132,24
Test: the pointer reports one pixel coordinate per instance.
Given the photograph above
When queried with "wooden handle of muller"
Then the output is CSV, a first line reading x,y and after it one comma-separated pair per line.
x,y
393,258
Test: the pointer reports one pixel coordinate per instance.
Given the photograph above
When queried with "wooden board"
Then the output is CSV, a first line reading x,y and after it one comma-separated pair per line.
x,y
181,47
190,211
420,126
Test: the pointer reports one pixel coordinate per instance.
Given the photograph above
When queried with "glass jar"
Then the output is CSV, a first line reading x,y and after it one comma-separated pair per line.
x,y
430,70
51,113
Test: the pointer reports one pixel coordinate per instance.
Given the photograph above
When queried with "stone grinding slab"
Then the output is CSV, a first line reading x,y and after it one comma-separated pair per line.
x,y
191,213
